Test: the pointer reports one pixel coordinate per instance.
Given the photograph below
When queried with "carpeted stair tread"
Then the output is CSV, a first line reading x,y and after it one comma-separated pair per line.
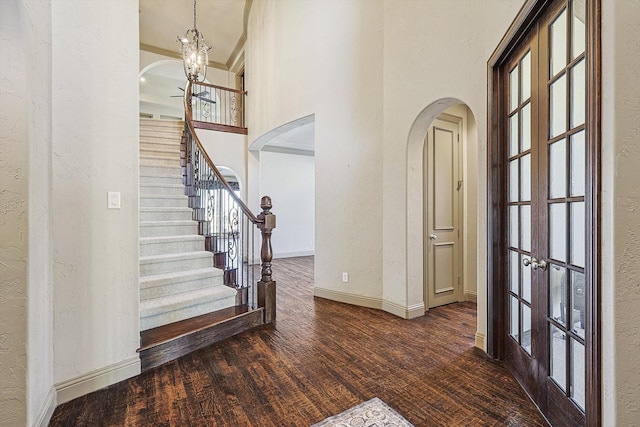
x,y
175,257
177,276
161,305
169,239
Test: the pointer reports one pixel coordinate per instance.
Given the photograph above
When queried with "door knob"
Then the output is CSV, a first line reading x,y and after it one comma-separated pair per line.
x,y
433,237
535,264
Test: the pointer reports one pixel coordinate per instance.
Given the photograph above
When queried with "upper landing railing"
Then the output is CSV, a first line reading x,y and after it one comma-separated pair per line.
x,y
226,222
217,108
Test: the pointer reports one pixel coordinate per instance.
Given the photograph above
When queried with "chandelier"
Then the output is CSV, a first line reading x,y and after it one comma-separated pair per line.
x,y
194,52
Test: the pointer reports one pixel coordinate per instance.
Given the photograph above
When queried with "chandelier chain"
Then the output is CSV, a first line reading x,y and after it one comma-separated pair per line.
x,y
194,15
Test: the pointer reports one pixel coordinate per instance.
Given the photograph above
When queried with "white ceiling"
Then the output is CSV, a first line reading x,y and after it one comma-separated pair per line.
x,y
220,21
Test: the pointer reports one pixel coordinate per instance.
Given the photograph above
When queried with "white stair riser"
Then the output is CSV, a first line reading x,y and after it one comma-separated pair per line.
x,y
169,153
178,287
166,190
174,247
161,170
177,214
184,313
160,179
169,230
160,161
154,146
170,266
164,202
161,138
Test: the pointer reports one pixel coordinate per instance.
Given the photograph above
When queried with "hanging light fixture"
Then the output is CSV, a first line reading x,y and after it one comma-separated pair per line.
x,y
194,51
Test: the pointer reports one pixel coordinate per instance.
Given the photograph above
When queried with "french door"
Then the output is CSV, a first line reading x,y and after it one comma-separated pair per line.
x,y
546,325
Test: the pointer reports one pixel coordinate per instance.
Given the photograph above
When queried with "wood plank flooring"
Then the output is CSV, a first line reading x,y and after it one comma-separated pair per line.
x,y
319,359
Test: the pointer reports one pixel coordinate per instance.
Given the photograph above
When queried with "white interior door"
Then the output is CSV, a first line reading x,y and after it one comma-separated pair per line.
x,y
443,186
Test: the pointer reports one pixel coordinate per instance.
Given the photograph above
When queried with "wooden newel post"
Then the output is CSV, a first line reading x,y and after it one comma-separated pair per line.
x,y
267,286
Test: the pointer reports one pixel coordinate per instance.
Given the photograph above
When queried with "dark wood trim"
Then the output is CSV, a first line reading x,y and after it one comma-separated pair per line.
x,y
152,356
220,128
594,138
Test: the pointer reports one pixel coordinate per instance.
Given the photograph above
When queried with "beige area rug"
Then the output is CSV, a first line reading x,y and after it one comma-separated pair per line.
x,y
372,413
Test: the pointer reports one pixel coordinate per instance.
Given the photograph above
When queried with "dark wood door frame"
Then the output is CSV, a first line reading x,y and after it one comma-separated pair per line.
x,y
497,184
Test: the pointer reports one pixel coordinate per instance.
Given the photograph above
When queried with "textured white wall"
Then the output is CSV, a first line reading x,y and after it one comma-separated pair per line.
x,y
95,150
289,179
40,391
13,215
26,352
295,67
620,212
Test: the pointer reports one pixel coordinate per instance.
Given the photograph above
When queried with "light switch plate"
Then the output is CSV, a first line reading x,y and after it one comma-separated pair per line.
x,y
113,201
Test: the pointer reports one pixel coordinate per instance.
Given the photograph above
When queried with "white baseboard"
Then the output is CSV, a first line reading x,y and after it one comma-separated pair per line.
x,y
346,298
95,380
410,312
480,341
471,296
396,309
46,411
293,254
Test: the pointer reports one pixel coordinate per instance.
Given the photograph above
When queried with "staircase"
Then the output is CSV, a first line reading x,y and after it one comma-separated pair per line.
x,y
177,277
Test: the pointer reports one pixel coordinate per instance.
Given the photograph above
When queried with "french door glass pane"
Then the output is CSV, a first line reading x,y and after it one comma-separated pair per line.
x,y
526,282
558,356
514,325
578,231
578,164
514,268
558,231
513,180
526,328
578,94
557,293
526,127
579,28
557,169
513,89
577,303
514,227
525,224
513,134
525,178
526,77
558,107
578,364
558,54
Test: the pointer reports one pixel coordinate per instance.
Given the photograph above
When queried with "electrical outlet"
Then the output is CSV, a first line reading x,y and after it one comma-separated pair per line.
x,y
345,277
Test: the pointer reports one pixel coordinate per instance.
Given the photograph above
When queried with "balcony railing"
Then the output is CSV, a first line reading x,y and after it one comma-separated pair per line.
x,y
217,108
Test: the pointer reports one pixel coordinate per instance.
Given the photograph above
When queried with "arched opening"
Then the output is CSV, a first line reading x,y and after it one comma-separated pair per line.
x,y
465,184
284,169
161,90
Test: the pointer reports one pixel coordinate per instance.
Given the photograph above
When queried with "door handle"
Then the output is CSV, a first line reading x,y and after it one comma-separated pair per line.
x,y
535,264
433,237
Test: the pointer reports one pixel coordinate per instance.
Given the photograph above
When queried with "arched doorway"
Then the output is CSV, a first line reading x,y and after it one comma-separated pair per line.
x,y
417,241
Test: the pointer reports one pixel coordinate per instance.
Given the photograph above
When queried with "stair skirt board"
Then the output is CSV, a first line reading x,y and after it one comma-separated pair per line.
x,y
163,352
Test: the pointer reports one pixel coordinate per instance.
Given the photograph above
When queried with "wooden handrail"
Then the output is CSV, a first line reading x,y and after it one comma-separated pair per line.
x,y
242,92
189,122
265,221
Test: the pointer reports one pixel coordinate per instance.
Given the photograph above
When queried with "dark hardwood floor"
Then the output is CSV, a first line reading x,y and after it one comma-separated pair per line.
x,y
320,359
